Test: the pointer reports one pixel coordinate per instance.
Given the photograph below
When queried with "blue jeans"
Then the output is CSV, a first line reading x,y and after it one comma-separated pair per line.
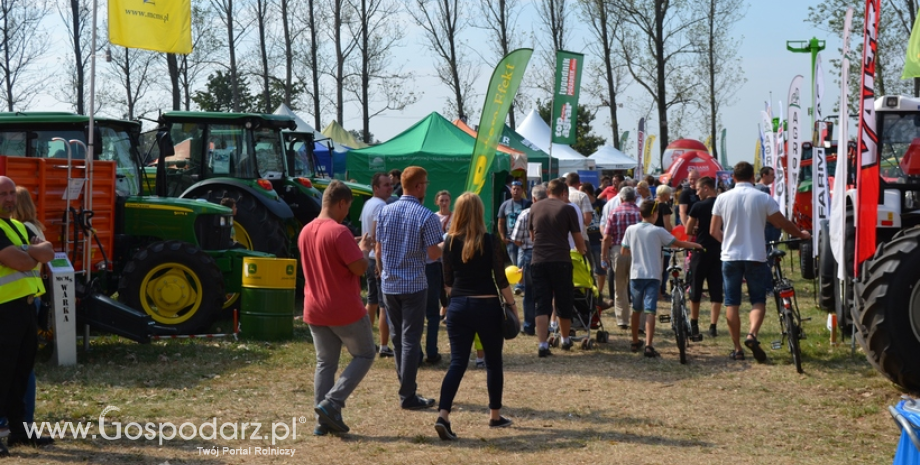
x,y
758,280
644,295
358,339
530,311
466,317
512,253
406,318
435,275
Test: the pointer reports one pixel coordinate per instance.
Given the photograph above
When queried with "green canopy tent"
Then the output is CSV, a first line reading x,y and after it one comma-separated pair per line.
x,y
550,166
444,150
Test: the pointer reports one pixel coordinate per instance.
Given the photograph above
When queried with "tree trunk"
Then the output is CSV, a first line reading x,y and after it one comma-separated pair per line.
x,y
129,97
288,54
78,55
661,98
262,7
339,62
314,51
234,79
8,66
712,79
172,63
365,75
186,84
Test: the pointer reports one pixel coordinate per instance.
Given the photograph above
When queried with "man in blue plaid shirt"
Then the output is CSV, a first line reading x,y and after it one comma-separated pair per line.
x,y
407,234
521,237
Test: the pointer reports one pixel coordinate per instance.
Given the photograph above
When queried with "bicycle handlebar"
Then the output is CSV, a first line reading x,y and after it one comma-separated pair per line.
x,y
787,241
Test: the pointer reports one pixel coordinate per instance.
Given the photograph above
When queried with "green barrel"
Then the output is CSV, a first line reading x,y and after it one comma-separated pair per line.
x,y
267,298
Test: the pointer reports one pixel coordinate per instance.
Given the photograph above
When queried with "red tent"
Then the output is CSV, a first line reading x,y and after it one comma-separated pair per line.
x,y
701,160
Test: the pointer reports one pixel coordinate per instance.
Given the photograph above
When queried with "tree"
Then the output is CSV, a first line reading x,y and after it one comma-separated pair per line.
x,y
718,58
611,78
585,142
221,94
22,43
131,70
290,35
500,20
893,37
236,31
261,13
378,34
342,22
76,17
657,53
442,22
552,14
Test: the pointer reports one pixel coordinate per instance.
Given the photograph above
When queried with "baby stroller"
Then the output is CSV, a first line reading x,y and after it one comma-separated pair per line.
x,y
587,315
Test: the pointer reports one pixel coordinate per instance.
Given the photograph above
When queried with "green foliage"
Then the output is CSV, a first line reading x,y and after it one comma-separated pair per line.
x,y
585,142
218,95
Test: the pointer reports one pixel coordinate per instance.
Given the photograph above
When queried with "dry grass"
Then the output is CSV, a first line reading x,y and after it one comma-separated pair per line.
x,y
607,405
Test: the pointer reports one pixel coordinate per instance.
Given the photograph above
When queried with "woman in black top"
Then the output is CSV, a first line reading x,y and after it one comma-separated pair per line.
x,y
473,266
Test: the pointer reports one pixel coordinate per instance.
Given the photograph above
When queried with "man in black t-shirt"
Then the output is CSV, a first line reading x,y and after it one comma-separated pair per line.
x,y
706,264
688,197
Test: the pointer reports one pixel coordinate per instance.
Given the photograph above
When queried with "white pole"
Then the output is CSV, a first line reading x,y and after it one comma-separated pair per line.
x,y
88,192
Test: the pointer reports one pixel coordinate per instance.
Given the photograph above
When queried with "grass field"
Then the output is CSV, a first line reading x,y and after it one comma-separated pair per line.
x,y
605,405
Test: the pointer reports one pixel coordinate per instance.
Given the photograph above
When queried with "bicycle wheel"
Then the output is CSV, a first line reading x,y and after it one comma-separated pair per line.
x,y
679,324
792,338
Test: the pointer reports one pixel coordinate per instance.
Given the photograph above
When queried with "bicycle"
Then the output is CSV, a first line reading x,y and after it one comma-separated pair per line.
x,y
679,317
787,306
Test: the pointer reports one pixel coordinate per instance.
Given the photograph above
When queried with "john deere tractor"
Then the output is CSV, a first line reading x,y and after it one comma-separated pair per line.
x,y
166,258
884,302
211,156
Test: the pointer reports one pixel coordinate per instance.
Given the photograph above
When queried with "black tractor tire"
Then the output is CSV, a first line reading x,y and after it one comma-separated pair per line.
x,y
265,231
845,310
807,259
827,274
888,317
176,283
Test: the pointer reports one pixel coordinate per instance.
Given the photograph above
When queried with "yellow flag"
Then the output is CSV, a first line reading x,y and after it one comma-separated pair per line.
x,y
647,155
757,157
158,25
709,143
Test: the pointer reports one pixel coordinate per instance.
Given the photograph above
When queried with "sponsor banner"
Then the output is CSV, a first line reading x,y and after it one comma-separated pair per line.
x,y
867,148
161,26
565,96
504,84
838,205
794,157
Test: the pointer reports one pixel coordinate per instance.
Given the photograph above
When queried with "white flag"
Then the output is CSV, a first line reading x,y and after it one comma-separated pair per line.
x,y
820,202
839,208
768,144
794,134
779,184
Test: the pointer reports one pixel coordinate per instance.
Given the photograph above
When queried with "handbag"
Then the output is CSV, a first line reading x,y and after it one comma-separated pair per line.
x,y
511,325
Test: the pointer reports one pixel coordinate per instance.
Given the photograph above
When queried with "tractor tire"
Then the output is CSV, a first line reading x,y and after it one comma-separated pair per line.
x,y
846,310
807,259
827,274
176,283
888,321
256,228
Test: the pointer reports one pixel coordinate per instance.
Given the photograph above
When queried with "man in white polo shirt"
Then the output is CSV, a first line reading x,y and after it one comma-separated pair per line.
x,y
744,211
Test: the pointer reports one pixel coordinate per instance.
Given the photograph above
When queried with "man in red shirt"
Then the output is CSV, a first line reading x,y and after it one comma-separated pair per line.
x,y
332,267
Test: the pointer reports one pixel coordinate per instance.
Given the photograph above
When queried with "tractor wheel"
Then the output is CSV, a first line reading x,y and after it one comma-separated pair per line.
x,y
889,312
845,310
176,283
255,227
807,259
827,274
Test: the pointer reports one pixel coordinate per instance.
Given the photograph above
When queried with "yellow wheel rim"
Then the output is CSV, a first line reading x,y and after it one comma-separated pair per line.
x,y
242,236
171,293
231,299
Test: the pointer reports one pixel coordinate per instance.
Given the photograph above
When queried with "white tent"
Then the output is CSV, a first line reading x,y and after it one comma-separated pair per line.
x,y
303,126
609,158
535,130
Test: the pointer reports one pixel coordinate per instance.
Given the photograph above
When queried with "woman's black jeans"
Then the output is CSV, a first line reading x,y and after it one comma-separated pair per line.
x,y
466,317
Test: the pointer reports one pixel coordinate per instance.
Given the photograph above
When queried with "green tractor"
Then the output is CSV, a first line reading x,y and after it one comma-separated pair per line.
x,y
300,162
166,261
211,156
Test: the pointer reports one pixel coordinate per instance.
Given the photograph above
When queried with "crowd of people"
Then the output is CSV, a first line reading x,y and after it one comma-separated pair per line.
x,y
446,266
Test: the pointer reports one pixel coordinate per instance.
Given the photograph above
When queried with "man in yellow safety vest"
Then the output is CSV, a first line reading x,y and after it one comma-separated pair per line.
x,y
21,256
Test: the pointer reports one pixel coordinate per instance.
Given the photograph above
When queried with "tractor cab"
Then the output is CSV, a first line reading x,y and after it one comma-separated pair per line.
x,y
898,126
